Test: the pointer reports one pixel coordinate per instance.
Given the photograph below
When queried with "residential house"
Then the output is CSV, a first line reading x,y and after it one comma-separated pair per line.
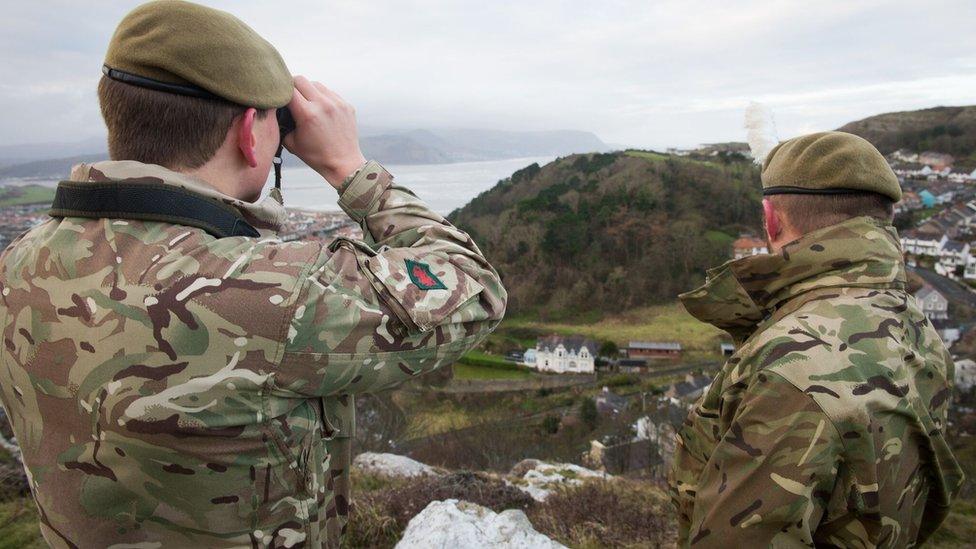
x,y
608,402
933,304
690,389
917,242
938,161
940,226
970,272
965,374
727,349
904,155
746,246
947,330
909,201
954,254
928,199
654,350
958,177
571,354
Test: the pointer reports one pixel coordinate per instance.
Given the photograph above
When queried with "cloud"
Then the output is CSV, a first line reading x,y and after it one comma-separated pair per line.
x,y
650,74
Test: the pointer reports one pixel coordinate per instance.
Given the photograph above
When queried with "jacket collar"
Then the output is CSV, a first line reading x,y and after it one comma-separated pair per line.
x,y
737,296
266,216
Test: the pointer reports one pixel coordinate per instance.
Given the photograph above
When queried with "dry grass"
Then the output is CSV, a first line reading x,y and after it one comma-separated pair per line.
x,y
607,513
380,516
615,513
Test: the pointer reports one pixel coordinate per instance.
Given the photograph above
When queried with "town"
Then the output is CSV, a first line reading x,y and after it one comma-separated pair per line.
x,y
301,224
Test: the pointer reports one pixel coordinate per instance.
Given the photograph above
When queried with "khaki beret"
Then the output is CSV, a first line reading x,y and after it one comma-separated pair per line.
x,y
189,49
828,163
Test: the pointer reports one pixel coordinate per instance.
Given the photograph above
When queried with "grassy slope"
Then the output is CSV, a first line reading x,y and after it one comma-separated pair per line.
x,y
654,323
27,194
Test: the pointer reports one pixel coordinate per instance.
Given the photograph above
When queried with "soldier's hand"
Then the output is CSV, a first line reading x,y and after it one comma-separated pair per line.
x,y
325,135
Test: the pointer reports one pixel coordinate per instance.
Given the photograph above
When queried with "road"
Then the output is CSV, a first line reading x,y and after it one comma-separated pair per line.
x,y
952,290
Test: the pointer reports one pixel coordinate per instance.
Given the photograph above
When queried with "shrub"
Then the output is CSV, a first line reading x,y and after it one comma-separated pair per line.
x,y
606,513
589,413
379,518
609,349
550,424
620,380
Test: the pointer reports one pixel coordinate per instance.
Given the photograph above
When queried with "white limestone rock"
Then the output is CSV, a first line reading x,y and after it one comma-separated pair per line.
x,y
392,465
539,479
451,523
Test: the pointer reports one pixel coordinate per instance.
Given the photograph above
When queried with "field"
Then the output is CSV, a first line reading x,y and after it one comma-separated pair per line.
x,y
648,155
27,194
655,323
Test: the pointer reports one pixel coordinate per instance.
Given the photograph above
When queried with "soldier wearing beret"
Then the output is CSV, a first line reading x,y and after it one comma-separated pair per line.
x,y
175,373
826,427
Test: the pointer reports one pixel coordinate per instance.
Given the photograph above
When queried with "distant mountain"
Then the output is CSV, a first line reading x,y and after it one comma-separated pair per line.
x,y
943,129
608,232
438,146
19,154
56,168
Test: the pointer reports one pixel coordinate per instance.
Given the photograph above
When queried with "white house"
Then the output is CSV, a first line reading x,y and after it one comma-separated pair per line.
x,y
923,243
746,246
904,155
954,254
970,272
965,374
572,354
933,304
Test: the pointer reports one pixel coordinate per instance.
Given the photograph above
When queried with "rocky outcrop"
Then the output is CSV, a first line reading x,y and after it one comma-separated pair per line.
x,y
539,478
392,465
452,523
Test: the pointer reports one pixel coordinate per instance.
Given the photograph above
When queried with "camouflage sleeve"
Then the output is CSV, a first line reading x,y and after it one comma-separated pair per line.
x,y
767,480
414,295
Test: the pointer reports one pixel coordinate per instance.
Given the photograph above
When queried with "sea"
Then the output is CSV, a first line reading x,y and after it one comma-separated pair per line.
x,y
444,187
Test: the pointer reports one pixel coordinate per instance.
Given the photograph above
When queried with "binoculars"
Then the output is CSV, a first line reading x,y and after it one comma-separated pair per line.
x,y
286,122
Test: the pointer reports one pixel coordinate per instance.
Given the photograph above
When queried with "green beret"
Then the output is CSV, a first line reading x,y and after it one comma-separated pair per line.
x,y
180,47
828,163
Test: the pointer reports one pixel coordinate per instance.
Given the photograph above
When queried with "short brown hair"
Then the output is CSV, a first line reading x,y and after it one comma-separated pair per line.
x,y
808,212
154,127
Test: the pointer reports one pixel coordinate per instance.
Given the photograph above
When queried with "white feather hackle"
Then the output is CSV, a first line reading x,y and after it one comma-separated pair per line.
x,y
760,131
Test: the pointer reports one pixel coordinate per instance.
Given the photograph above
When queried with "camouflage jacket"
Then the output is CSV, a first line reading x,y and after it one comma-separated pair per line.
x,y
172,389
826,426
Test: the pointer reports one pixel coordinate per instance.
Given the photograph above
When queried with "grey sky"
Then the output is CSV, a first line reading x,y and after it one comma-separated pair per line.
x,y
643,73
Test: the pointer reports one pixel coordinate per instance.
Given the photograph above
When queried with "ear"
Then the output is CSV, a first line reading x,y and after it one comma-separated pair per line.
x,y
245,137
771,220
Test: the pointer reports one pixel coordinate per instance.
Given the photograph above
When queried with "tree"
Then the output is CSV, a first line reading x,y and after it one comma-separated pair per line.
x,y
550,424
589,413
609,349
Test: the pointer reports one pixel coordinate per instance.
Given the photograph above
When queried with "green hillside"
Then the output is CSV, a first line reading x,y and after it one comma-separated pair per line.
x,y
944,129
610,232
27,194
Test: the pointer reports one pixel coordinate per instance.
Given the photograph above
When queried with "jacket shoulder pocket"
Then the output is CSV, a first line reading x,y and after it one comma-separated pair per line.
x,y
426,288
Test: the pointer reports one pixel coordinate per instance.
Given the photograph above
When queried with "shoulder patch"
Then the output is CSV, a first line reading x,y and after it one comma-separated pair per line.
x,y
422,277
